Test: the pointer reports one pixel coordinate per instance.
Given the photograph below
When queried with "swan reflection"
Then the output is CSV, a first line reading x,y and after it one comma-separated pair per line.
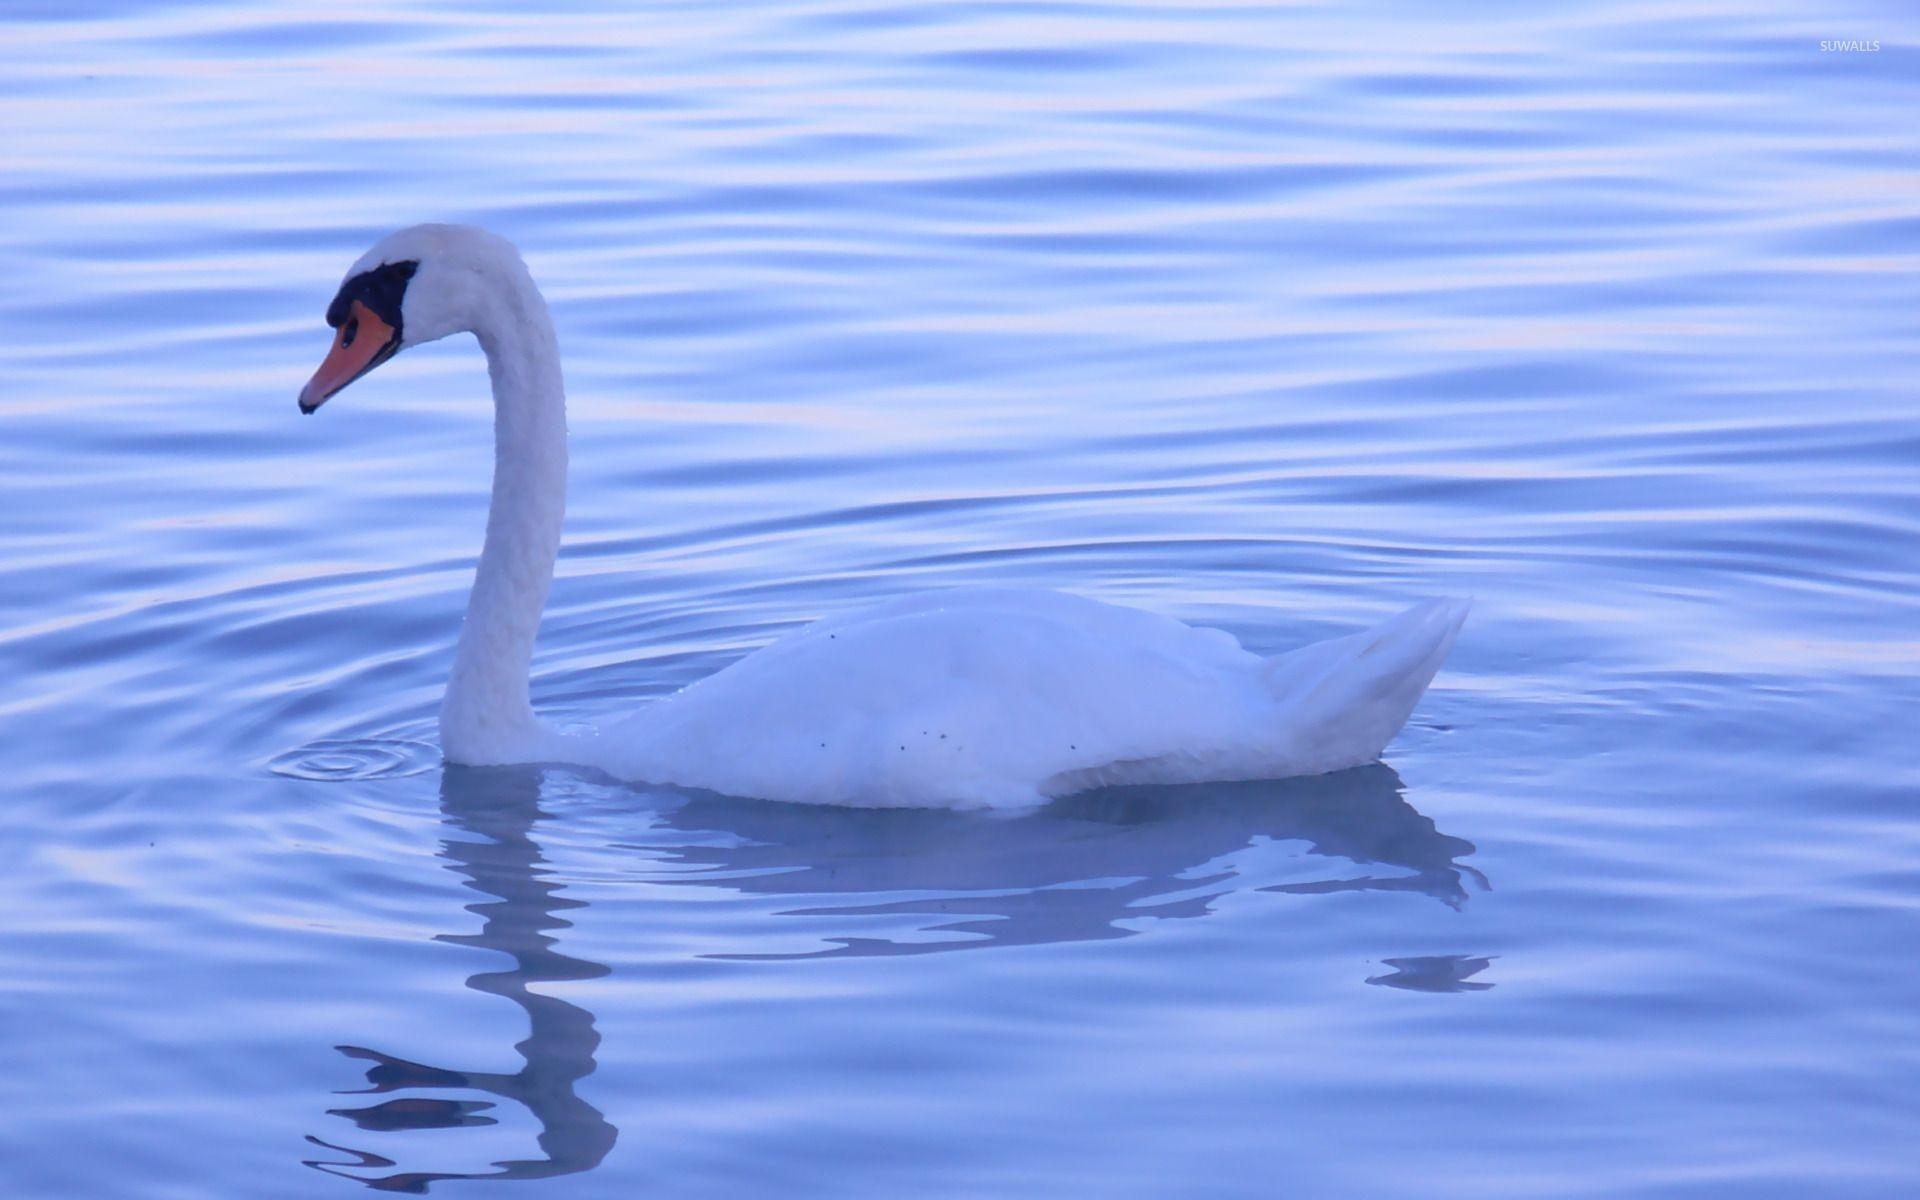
x,y
500,806
1085,867
1074,870
1435,973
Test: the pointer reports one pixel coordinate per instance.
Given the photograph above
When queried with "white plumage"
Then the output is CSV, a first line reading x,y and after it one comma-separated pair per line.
x,y
1003,697
963,698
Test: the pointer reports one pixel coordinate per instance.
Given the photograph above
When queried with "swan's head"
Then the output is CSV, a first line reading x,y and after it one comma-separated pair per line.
x,y
415,286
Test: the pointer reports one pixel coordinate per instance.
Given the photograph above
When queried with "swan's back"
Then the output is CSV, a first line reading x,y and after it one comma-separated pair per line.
x,y
1002,697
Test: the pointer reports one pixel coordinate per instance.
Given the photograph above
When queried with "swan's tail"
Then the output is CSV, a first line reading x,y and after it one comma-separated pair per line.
x,y
1345,698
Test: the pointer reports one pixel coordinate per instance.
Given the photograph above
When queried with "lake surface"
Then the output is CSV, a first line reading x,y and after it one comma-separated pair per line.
x,y
1271,318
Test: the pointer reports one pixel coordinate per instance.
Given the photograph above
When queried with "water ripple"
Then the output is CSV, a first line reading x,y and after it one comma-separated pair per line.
x,y
346,760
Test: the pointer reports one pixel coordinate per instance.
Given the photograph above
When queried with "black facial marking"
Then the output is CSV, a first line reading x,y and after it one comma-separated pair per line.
x,y
380,289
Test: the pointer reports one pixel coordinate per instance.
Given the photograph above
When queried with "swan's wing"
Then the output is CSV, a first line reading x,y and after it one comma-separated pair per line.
x,y
975,695
1001,697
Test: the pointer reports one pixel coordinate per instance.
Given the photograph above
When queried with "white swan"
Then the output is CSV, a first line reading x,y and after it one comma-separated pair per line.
x,y
961,698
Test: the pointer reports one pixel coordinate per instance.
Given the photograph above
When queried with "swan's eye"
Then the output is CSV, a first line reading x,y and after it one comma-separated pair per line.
x,y
349,331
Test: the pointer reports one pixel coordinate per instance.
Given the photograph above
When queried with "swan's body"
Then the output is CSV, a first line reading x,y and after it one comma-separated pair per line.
x,y
1004,697
990,697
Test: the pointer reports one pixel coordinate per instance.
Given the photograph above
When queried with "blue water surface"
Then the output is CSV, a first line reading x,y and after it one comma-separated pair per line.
x,y
1272,317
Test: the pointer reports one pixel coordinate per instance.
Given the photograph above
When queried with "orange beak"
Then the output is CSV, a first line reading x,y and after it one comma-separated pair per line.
x,y
362,343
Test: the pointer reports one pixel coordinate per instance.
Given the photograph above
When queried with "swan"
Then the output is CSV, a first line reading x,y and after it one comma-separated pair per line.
x,y
961,698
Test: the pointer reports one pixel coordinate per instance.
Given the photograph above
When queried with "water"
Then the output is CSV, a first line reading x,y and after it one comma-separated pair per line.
x,y
1272,318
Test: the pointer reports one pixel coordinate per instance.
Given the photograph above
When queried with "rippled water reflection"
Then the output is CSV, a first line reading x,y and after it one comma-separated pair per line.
x,y
1089,867
495,812
1271,317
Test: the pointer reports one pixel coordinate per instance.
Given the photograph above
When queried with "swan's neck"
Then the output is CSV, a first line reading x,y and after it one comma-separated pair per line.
x,y
487,716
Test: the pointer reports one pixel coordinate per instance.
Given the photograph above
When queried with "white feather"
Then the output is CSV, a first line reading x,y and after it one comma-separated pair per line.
x,y
999,698
963,698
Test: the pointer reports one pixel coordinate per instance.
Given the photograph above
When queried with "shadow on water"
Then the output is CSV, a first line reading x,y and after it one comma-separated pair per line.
x,y
1072,871
499,806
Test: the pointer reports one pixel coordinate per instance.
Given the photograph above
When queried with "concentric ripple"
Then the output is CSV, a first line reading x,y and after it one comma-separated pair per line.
x,y
346,760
